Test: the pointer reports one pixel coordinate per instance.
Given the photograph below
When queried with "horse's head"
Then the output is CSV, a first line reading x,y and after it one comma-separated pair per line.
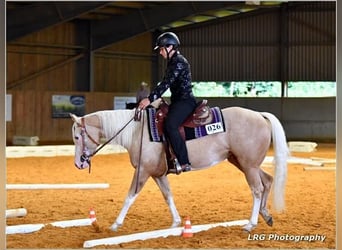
x,y
86,135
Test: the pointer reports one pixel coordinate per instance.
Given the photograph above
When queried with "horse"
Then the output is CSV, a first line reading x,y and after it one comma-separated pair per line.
x,y
245,142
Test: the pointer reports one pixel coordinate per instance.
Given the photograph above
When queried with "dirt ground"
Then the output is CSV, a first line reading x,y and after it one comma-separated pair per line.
x,y
214,195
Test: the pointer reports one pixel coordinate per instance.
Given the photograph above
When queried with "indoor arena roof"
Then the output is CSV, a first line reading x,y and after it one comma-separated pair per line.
x,y
136,17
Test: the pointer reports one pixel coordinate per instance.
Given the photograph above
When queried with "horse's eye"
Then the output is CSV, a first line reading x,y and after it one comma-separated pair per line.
x,y
76,137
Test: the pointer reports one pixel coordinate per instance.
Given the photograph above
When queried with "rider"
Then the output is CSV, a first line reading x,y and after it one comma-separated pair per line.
x,y
178,78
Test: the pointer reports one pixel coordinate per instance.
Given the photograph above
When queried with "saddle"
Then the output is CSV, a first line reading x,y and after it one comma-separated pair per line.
x,y
202,115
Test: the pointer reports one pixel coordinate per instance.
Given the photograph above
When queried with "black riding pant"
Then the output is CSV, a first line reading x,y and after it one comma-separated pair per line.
x,y
178,112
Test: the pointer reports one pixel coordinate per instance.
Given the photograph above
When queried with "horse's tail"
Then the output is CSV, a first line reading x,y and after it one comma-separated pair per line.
x,y
281,153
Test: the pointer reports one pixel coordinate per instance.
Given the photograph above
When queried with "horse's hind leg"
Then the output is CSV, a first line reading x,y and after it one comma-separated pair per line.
x,y
164,187
130,198
267,182
254,181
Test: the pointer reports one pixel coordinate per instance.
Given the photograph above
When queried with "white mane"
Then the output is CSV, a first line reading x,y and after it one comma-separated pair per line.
x,y
113,121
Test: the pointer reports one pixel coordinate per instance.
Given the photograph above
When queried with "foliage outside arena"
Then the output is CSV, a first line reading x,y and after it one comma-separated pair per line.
x,y
263,89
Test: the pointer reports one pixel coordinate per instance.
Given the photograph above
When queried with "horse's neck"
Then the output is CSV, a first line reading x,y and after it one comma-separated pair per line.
x,y
113,123
93,120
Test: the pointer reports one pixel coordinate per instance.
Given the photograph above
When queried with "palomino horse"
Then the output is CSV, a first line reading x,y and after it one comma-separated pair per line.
x,y
244,143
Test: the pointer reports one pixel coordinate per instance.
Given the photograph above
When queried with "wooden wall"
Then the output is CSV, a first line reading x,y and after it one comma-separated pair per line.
x,y
44,63
47,61
41,61
124,65
32,114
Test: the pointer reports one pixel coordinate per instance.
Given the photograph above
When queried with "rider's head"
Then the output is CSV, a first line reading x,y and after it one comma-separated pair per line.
x,y
167,41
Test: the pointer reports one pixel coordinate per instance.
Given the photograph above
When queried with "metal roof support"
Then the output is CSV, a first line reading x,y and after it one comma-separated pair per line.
x,y
84,66
284,48
44,14
43,71
106,32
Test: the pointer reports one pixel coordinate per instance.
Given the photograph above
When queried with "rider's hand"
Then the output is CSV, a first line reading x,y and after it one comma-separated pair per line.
x,y
144,103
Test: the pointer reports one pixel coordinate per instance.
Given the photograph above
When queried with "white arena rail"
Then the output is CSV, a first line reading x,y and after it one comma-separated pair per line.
x,y
52,151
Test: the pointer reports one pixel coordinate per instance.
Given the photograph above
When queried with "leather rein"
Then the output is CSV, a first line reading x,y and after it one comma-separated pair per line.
x,y
85,153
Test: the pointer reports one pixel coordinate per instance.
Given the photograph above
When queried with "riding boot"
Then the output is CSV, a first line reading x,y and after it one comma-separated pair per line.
x,y
186,168
178,169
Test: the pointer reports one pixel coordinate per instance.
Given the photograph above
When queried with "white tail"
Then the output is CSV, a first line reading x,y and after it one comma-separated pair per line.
x,y
281,153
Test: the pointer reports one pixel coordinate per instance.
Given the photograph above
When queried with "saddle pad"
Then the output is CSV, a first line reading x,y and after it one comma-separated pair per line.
x,y
152,126
217,125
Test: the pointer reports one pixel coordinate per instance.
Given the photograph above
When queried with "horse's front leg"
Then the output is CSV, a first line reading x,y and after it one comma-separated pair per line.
x,y
121,217
131,197
163,184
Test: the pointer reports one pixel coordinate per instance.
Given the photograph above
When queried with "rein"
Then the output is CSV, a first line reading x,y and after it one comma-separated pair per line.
x,y
85,156
140,151
112,138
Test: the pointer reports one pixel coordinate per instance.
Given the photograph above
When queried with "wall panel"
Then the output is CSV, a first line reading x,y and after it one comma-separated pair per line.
x,y
293,43
31,114
124,65
35,62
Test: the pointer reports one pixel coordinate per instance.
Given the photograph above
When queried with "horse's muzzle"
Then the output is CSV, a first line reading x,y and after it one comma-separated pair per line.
x,y
84,162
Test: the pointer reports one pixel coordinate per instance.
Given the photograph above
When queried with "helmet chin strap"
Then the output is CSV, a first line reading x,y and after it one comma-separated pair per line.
x,y
168,52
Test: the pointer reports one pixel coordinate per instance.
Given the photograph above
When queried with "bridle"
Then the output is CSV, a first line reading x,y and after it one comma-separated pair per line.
x,y
85,153
86,156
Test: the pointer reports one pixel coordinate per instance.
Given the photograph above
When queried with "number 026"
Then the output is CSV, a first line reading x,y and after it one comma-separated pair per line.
x,y
214,128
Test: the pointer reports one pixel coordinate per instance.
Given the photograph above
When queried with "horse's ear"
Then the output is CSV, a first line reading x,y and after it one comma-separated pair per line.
x,y
75,118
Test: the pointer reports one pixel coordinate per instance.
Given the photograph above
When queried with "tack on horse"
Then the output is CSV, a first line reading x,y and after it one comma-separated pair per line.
x,y
244,143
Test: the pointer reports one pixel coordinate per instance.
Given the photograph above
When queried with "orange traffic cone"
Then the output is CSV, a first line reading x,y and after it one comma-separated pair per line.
x,y
92,217
187,231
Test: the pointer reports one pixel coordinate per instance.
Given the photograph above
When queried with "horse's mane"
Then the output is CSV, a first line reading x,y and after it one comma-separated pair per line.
x,y
114,120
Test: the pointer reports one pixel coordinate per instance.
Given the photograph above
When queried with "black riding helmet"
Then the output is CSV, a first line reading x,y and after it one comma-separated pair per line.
x,y
166,39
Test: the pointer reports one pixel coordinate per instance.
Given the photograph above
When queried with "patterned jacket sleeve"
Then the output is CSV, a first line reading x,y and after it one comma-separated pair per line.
x,y
171,74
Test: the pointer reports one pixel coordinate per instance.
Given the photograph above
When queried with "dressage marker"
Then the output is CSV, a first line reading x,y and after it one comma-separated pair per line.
x,y
302,146
56,186
18,212
30,228
297,160
158,233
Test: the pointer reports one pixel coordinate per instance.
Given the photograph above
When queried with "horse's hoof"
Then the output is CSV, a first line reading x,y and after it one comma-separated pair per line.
x,y
270,221
248,228
114,227
175,224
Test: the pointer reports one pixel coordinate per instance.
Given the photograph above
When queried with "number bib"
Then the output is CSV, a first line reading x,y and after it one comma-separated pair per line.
x,y
214,128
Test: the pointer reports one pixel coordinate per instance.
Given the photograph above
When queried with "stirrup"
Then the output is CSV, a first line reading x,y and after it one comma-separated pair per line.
x,y
186,168
178,168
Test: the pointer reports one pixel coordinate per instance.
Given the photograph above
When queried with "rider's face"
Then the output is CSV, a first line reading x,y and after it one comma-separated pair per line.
x,y
163,51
